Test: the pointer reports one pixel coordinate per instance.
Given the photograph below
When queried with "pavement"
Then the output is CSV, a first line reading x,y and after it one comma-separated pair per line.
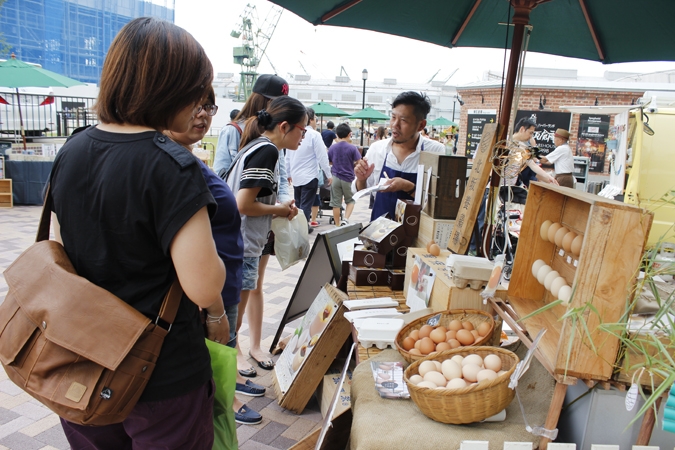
x,y
27,425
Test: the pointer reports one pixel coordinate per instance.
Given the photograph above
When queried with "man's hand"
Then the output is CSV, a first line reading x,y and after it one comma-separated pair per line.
x,y
329,182
399,184
363,170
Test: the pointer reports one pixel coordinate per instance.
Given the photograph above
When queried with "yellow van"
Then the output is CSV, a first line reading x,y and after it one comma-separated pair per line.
x,y
651,182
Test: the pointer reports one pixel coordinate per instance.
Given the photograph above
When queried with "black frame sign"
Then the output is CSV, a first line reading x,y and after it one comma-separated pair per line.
x,y
547,122
592,140
475,121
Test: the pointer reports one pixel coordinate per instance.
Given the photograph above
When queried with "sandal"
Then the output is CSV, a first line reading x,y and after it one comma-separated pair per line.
x,y
248,373
266,365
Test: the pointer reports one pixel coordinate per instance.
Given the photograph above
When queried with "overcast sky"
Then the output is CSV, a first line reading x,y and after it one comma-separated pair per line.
x,y
323,50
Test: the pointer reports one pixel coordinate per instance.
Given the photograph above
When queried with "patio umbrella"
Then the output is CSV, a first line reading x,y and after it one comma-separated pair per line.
x,y
326,109
17,74
599,30
369,114
442,122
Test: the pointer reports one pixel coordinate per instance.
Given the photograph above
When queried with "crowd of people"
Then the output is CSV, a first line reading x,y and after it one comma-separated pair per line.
x,y
135,210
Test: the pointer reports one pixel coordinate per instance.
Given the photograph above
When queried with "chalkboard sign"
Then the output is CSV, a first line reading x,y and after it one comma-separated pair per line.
x,y
323,266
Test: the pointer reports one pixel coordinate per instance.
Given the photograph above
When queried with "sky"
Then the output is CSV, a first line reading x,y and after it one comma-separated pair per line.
x,y
324,50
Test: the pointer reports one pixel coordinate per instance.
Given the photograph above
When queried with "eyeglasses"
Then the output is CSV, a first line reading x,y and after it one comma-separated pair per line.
x,y
304,130
211,110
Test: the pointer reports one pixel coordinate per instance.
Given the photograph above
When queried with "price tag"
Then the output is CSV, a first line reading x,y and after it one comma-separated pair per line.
x,y
631,397
434,321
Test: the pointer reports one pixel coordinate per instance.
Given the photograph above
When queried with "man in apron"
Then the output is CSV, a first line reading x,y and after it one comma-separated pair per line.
x,y
397,158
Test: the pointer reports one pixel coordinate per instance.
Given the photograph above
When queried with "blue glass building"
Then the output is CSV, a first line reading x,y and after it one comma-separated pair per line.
x,y
71,37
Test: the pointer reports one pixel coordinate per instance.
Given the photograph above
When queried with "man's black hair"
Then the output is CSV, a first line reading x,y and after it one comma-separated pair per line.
x,y
525,122
419,101
310,114
342,130
330,125
233,114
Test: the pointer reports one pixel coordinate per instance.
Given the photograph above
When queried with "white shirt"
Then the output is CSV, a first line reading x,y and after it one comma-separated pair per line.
x,y
562,159
302,165
382,148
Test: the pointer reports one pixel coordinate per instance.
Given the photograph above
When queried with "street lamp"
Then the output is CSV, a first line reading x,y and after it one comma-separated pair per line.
x,y
364,77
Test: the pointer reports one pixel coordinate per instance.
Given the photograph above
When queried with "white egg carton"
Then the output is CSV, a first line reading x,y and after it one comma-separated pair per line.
x,y
471,271
351,316
380,332
380,302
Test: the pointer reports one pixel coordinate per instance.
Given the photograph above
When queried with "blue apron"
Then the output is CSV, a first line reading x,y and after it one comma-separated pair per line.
x,y
385,202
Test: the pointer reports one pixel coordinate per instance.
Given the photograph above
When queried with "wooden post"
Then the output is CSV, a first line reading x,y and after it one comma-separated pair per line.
x,y
648,422
554,412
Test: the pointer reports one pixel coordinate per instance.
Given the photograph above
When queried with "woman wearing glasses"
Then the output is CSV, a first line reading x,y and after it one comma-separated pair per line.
x,y
225,227
132,212
254,179
266,88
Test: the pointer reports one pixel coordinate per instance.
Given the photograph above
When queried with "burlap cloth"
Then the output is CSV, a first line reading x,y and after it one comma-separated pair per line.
x,y
388,423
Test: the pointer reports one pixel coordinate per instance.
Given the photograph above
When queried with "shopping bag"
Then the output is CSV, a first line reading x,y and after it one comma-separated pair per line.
x,y
291,240
224,366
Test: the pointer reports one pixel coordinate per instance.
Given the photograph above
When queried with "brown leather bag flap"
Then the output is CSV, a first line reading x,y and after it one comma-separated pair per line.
x,y
71,311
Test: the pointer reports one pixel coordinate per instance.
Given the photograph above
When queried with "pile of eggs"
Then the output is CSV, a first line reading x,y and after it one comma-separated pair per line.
x,y
430,339
458,372
562,237
552,281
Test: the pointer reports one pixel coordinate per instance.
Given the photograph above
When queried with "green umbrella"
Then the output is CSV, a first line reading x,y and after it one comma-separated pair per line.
x,y
588,29
442,122
369,114
326,109
598,30
17,74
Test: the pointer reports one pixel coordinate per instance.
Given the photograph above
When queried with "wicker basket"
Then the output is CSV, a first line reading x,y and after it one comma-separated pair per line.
x,y
469,404
476,317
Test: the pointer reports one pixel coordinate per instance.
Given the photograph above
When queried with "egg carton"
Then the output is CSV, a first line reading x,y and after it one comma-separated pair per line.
x,y
378,332
474,273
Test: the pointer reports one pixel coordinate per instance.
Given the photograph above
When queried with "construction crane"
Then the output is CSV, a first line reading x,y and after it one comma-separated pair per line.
x,y
254,41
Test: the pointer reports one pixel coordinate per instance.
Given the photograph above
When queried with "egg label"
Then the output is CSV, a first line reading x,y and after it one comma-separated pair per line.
x,y
434,321
575,263
569,260
561,252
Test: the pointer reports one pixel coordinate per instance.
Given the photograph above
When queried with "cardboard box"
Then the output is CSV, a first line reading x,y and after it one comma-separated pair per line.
x,y
383,235
327,389
446,187
396,280
436,229
408,214
367,276
367,258
445,295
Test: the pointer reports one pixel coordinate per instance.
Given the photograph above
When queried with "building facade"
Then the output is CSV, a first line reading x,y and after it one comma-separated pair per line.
x,y
72,37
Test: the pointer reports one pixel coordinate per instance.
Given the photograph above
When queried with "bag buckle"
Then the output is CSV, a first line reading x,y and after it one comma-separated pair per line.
x,y
163,324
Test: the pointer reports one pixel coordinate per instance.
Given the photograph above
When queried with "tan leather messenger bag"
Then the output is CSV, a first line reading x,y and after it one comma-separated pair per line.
x,y
78,349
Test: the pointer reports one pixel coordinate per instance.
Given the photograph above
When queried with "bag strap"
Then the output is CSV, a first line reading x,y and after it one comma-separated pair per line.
x,y
169,308
236,125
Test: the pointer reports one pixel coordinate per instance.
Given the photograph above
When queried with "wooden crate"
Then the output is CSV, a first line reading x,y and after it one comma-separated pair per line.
x,y
6,199
436,229
603,276
446,187
445,295
631,358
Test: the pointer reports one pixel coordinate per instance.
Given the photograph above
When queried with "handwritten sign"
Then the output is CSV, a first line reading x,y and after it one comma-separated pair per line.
x,y
473,194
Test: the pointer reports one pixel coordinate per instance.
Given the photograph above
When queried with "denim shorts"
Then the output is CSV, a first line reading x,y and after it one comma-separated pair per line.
x,y
249,273
231,313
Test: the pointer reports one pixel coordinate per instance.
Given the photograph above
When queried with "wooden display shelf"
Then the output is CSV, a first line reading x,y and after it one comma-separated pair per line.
x,y
602,277
6,199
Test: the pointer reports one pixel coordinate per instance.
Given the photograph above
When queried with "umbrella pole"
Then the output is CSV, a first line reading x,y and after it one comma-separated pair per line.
x,y
23,133
521,18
